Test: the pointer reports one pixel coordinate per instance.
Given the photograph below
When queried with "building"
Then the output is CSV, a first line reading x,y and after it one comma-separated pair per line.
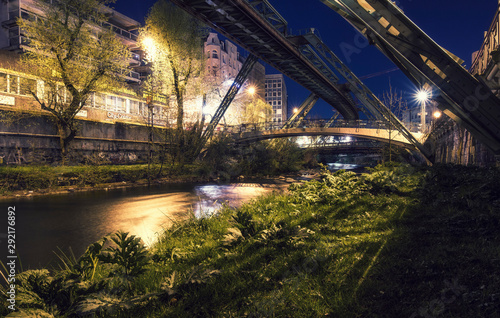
x,y
12,38
276,96
454,143
412,117
486,61
123,106
223,64
223,59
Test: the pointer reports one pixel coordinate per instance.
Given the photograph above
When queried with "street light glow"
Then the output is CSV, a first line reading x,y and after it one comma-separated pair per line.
x,y
251,90
295,110
149,45
423,95
437,114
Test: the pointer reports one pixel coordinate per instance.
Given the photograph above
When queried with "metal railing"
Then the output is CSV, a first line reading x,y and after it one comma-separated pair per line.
x,y
269,126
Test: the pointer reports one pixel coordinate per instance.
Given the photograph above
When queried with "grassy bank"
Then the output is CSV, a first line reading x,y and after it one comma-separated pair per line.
x,y
46,178
221,161
397,242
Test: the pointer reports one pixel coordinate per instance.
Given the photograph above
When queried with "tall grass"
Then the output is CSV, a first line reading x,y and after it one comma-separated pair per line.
x,y
397,242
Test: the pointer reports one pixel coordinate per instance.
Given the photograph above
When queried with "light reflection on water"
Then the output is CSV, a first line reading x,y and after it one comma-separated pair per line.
x,y
211,197
76,220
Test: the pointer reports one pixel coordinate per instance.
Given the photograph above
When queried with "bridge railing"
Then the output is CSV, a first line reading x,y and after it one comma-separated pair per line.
x,y
270,126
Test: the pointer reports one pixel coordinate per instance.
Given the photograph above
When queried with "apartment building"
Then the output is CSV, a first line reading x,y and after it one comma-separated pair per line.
x,y
276,96
12,39
124,106
223,63
486,61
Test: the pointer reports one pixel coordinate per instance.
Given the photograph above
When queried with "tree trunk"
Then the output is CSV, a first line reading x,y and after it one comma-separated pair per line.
x,y
65,138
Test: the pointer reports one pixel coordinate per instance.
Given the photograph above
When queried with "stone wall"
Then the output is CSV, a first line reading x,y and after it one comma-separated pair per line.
x,y
452,143
32,138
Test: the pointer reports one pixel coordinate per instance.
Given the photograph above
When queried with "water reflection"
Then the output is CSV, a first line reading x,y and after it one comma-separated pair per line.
x,y
342,166
76,220
211,197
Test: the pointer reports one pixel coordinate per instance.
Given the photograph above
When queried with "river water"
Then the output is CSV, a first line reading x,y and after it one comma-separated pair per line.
x,y
45,224
71,222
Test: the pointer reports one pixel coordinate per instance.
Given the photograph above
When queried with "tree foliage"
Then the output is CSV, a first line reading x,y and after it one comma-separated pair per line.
x,y
257,111
74,54
173,42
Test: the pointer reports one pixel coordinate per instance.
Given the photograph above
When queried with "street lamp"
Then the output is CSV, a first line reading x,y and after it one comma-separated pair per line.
x,y
295,110
149,44
422,96
251,90
437,114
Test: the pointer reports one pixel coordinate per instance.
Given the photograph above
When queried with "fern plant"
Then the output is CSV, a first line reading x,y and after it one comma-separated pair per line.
x,y
128,252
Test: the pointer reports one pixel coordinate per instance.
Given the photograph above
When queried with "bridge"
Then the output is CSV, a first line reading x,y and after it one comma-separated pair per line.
x,y
371,130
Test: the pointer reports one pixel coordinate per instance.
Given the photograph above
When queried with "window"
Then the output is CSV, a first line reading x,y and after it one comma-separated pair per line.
x,y
3,83
134,107
99,100
110,103
214,54
13,84
26,86
120,104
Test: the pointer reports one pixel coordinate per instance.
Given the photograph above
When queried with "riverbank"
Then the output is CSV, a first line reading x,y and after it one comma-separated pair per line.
x,y
31,181
398,242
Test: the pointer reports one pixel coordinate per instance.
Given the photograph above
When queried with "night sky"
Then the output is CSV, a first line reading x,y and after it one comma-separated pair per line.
x,y
456,25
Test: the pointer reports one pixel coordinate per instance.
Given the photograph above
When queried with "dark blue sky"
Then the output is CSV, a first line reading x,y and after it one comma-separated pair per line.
x,y
456,25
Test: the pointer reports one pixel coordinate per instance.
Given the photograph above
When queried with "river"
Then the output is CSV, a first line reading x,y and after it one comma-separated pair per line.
x,y
67,222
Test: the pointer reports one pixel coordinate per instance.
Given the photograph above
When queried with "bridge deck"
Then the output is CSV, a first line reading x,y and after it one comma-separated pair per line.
x,y
383,135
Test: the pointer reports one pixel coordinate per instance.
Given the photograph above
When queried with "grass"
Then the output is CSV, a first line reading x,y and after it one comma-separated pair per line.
x,y
48,177
398,242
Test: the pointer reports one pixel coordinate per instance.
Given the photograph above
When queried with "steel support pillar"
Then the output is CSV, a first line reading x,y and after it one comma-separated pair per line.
x,y
230,95
301,113
464,98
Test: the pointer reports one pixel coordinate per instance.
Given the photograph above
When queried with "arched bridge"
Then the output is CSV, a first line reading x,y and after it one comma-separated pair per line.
x,y
359,129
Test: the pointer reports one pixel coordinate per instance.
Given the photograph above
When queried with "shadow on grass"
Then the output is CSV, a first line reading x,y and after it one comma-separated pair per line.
x,y
443,259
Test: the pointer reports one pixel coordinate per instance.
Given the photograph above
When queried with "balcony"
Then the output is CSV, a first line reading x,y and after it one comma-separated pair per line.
x,y
123,33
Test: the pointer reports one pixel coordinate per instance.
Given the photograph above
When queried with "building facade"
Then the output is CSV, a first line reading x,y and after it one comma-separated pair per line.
x,y
123,106
276,96
223,63
412,117
13,39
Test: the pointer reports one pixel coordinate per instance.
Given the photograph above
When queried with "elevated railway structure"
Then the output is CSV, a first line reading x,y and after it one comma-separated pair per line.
x,y
259,28
466,99
256,26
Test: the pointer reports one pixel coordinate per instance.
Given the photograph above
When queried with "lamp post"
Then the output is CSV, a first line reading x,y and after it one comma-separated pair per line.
x,y
149,101
422,96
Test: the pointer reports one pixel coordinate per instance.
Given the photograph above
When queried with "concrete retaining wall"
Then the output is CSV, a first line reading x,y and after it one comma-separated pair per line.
x,y
29,138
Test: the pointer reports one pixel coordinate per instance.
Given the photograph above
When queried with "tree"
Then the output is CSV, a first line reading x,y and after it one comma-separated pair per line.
x,y
257,111
173,41
396,104
73,55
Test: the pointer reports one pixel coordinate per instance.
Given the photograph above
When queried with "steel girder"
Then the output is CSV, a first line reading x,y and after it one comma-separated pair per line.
x,y
464,98
230,95
256,26
363,93
301,113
